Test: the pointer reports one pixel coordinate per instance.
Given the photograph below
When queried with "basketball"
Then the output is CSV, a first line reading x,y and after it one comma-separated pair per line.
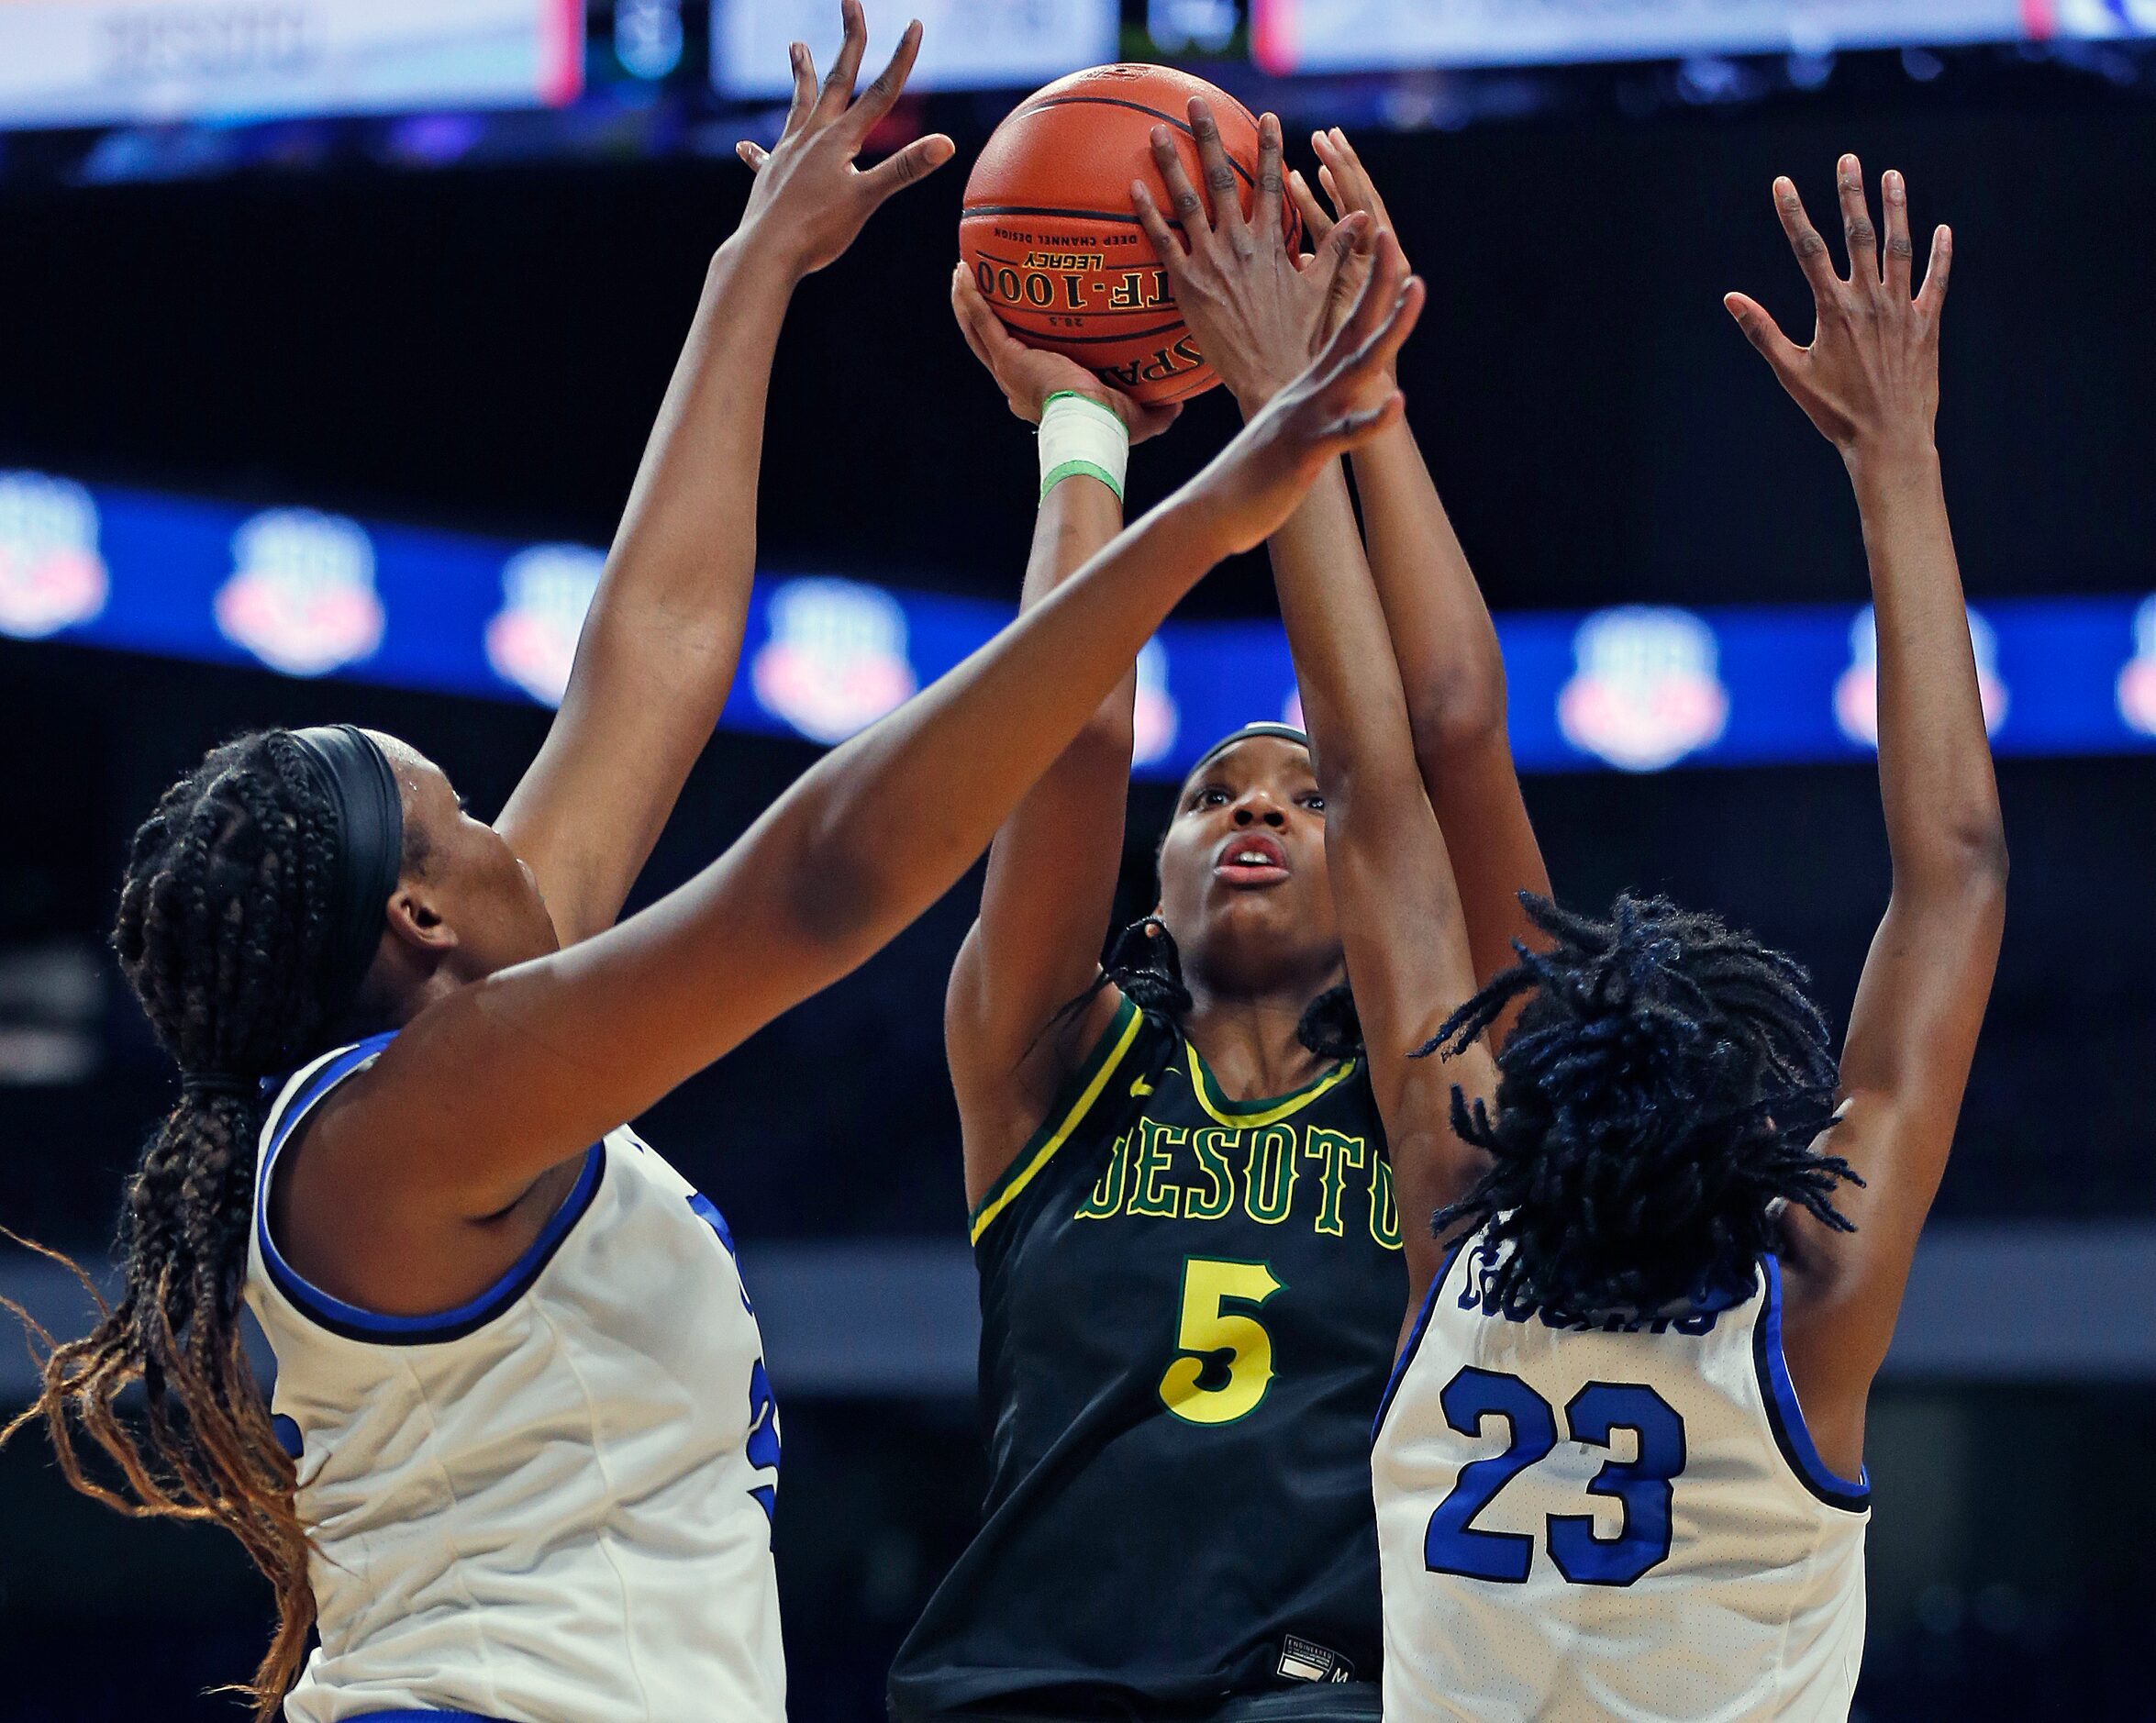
x,y
1050,234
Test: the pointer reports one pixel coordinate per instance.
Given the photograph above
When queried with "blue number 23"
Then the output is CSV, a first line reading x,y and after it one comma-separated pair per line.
x,y
1455,1544
763,1410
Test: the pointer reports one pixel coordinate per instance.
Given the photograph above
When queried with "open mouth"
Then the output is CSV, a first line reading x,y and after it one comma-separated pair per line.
x,y
1252,859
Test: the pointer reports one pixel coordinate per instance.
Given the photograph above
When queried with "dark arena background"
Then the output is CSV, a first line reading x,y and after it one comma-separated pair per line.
x,y
440,326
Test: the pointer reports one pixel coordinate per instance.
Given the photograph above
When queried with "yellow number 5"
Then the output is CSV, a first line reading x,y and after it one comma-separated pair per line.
x,y
1207,1330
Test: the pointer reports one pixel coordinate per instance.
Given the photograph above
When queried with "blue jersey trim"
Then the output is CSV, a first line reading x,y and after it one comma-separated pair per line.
x,y
440,1716
351,1320
1785,1414
1422,1321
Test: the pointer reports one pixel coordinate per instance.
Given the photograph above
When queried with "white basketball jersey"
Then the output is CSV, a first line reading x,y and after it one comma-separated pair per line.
x,y
1586,1524
553,1504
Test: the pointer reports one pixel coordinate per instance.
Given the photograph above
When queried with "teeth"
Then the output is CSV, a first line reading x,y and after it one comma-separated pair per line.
x,y
1252,858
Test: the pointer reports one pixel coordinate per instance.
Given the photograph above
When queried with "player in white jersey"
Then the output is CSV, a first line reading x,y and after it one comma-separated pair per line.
x,y
521,1459
1619,1475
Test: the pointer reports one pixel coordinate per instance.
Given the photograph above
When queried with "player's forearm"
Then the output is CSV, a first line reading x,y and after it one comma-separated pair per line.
x,y
1935,766
885,825
1037,948
685,554
1077,519
1441,626
1349,686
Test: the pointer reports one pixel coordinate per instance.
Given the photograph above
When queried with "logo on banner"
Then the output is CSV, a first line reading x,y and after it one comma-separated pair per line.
x,y
532,639
2137,681
50,574
1154,718
1646,688
301,596
836,658
1856,692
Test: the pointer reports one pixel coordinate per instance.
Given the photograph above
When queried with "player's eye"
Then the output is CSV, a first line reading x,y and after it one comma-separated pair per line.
x,y
1314,802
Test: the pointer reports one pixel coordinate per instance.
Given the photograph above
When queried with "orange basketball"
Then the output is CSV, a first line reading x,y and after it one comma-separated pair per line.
x,y
1049,233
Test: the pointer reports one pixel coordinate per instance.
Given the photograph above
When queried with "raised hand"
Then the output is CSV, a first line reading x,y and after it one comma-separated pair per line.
x,y
810,199
1254,484
1870,379
1257,312
1027,376
1351,190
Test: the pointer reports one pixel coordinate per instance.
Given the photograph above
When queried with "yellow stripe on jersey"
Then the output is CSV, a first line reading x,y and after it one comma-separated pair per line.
x,y
1238,1116
1045,1152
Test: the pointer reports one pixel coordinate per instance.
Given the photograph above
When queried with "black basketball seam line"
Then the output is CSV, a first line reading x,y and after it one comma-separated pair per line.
x,y
1136,108
1036,209
1093,340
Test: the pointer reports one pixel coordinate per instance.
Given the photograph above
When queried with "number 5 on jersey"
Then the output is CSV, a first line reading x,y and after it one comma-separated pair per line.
x,y
1191,1388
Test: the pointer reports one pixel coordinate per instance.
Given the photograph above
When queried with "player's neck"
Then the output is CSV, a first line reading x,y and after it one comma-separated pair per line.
x,y
1249,1042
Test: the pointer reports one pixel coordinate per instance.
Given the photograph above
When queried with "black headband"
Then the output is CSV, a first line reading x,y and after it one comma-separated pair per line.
x,y
1283,732
355,774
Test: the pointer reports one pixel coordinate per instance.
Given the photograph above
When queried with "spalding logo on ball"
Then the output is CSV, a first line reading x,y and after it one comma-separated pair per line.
x,y
1054,244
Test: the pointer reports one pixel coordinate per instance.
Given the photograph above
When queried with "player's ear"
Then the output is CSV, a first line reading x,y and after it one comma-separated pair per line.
x,y
416,920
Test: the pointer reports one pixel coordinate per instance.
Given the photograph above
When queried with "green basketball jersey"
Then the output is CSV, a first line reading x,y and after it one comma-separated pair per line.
x,y
1190,1306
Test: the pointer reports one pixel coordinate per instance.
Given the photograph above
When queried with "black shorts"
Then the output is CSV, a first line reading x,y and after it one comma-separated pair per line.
x,y
1330,1702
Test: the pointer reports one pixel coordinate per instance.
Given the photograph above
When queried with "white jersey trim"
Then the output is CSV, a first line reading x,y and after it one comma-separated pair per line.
x,y
352,1322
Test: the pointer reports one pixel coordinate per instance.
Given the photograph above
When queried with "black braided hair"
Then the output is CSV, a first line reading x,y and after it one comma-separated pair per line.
x,y
1144,962
223,930
1658,1100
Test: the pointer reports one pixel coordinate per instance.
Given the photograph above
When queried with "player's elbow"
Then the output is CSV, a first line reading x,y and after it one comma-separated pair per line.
x,y
1106,739
1457,712
1972,850
1964,864
835,875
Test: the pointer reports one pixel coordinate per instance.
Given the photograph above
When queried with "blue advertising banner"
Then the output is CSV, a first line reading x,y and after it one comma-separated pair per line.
x,y
1636,688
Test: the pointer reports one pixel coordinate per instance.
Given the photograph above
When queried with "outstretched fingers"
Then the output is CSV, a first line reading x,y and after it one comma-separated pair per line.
x,y
1166,246
976,320
1761,331
1345,176
1376,303
918,160
804,103
1932,297
1857,232
837,90
888,85
1265,215
753,154
1805,240
1386,341
1894,197
1346,235
1218,170
1182,196
1317,223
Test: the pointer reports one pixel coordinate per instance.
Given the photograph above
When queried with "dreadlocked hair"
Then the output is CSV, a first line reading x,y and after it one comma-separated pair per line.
x,y
1145,964
223,930
1658,1100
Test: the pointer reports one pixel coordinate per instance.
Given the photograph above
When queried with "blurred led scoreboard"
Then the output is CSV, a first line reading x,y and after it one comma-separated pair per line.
x,y
1640,688
97,62
1290,35
965,44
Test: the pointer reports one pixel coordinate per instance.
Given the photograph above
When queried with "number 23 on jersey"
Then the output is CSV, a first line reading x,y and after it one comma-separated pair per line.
x,y
1642,1486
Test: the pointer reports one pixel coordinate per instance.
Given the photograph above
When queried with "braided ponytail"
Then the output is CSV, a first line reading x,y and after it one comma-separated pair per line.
x,y
223,926
1145,964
